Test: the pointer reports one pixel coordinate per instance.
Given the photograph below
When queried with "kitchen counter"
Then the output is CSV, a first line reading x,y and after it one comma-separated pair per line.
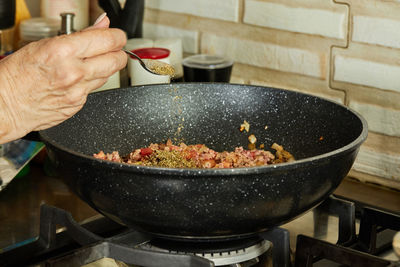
x,y
21,199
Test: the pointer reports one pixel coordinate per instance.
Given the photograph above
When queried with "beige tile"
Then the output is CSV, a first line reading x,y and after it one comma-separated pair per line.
x,y
315,43
285,80
221,9
376,163
367,72
266,55
383,143
308,20
361,73
238,80
375,30
383,120
190,39
374,179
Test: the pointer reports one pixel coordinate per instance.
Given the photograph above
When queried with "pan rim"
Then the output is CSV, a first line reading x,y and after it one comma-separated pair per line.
x,y
355,144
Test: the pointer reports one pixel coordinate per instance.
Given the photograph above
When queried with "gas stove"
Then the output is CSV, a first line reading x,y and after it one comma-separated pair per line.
x,y
340,233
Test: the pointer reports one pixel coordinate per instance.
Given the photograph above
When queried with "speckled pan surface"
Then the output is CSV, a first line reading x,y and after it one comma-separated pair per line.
x,y
323,136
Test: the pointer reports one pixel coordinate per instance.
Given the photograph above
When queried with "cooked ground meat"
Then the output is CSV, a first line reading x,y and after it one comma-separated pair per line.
x,y
198,156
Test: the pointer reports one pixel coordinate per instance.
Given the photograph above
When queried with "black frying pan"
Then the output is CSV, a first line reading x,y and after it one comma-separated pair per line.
x,y
205,203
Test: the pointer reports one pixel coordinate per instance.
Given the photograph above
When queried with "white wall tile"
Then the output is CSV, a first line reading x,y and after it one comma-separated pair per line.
x,y
378,31
380,120
190,39
265,55
378,164
296,19
368,73
220,9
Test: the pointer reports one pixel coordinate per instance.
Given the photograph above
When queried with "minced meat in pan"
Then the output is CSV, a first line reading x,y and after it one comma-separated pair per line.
x,y
198,156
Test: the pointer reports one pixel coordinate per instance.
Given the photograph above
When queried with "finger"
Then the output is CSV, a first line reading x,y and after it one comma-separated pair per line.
x,y
96,41
96,84
104,65
101,22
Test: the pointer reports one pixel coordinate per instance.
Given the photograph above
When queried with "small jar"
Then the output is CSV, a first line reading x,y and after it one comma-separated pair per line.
x,y
37,28
140,76
207,68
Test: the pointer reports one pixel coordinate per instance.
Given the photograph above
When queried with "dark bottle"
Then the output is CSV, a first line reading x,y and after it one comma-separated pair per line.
x,y
7,21
207,68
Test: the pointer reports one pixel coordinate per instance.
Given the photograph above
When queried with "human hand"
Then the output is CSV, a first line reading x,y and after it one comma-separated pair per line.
x,y
46,82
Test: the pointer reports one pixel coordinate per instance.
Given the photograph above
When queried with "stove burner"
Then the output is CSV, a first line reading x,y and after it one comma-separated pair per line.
x,y
188,246
232,252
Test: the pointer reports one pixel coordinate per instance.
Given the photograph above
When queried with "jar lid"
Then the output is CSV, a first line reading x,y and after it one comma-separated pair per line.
x,y
151,53
39,28
204,61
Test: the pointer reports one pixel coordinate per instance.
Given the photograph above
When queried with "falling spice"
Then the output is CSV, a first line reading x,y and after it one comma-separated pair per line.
x,y
177,115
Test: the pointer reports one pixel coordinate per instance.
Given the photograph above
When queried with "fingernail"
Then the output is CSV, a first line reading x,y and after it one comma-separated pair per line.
x,y
100,18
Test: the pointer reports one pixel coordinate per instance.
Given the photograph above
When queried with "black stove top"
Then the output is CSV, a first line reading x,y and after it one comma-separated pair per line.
x,y
80,244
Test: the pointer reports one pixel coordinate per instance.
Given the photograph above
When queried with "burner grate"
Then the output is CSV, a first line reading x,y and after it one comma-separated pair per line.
x,y
309,249
373,239
127,255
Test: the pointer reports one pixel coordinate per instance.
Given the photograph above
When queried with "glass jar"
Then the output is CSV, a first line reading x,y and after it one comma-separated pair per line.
x,y
37,28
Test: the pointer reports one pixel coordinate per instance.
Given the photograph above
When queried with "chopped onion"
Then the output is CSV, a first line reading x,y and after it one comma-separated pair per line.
x,y
252,139
245,126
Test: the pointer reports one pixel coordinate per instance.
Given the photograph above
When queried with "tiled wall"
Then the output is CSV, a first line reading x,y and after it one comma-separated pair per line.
x,y
347,51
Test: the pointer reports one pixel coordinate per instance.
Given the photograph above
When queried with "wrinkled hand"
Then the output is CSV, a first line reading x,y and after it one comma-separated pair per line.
x,y
46,82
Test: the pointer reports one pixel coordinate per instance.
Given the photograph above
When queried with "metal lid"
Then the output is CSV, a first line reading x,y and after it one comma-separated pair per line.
x,y
204,61
151,53
67,23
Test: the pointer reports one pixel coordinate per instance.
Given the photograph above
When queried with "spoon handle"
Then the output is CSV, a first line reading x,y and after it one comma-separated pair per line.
x,y
140,60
